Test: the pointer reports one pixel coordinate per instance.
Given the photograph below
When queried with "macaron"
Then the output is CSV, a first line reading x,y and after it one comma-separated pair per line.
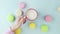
x,y
31,14
22,5
11,18
48,18
58,9
19,12
44,28
32,25
18,31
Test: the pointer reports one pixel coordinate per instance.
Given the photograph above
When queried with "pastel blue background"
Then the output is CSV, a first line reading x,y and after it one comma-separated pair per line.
x,y
43,7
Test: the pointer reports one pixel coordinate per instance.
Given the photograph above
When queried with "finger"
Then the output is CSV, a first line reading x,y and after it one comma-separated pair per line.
x,y
24,22
18,19
23,19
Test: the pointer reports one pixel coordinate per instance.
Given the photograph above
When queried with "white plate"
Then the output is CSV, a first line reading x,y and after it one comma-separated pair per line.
x,y
31,14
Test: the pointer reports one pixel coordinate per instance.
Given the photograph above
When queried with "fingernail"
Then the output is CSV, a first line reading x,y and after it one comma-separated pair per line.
x,y
25,17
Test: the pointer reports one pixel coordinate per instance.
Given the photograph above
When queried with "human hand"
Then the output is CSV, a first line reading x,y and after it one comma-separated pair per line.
x,y
19,21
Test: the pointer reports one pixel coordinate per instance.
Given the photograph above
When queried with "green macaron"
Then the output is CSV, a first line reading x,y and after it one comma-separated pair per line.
x,y
11,18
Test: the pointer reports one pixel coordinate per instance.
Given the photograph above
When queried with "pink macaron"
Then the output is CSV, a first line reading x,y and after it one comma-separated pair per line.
x,y
48,18
22,5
